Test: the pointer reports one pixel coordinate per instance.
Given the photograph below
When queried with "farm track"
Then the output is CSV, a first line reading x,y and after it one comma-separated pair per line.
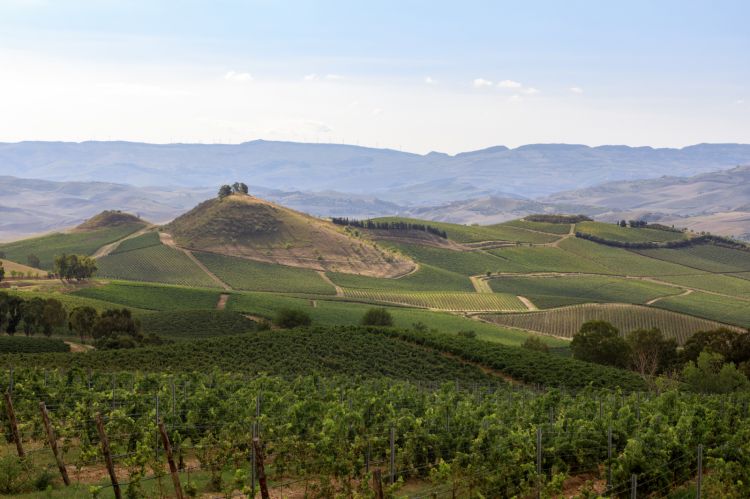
x,y
655,300
324,276
109,248
529,304
480,284
167,240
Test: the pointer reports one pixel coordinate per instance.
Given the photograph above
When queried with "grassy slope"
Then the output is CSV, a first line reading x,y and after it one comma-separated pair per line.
x,y
477,233
244,274
548,292
614,232
155,264
47,247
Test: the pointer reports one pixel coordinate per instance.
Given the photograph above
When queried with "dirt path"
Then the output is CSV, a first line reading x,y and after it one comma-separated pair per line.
x,y
684,293
109,248
78,347
167,240
529,304
222,303
480,284
339,289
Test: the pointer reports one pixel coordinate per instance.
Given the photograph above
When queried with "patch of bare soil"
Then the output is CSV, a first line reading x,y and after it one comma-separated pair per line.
x,y
78,347
222,303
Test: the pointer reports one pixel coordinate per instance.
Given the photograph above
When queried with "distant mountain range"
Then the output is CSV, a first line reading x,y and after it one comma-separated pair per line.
x,y
65,183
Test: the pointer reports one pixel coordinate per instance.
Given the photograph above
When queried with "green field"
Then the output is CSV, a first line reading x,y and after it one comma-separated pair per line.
x,y
427,278
549,292
244,274
52,245
143,241
24,344
185,325
550,228
461,262
155,264
718,283
708,257
545,259
151,296
566,321
478,233
718,308
614,232
439,300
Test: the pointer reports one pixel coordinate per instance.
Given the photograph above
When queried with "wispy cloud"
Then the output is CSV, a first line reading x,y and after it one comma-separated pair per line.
x,y
530,91
334,77
739,101
311,77
509,84
576,90
430,81
482,83
237,76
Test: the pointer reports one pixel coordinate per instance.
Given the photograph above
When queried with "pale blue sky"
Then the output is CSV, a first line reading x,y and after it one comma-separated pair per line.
x,y
415,75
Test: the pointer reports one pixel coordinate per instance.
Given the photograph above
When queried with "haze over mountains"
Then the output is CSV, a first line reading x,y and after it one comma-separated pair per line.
x,y
77,180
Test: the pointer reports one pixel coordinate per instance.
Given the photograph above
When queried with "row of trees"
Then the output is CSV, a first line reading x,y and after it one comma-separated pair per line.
x,y
557,219
36,315
710,360
78,267
395,225
236,188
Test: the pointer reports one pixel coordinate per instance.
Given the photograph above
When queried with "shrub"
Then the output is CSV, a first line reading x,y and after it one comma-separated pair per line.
x,y
468,334
288,318
536,343
377,317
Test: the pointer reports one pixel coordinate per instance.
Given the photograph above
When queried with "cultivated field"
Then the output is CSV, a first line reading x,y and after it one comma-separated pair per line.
x,y
708,257
614,232
566,321
151,296
479,233
441,300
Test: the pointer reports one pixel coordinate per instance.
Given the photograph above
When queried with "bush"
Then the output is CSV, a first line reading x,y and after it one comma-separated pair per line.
x,y
288,318
536,343
377,317
468,334
14,475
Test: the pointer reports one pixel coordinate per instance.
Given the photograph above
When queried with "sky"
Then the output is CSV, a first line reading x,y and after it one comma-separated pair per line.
x,y
409,75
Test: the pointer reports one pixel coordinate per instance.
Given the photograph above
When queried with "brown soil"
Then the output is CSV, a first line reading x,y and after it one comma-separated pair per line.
x,y
222,303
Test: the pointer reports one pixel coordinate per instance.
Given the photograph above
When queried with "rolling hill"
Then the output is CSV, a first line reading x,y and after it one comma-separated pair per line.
x,y
249,227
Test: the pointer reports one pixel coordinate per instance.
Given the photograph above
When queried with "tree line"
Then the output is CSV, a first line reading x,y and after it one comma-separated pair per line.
x,y
710,361
394,225
682,243
557,219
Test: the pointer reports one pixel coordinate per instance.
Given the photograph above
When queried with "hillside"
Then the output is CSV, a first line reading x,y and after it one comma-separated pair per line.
x,y
249,227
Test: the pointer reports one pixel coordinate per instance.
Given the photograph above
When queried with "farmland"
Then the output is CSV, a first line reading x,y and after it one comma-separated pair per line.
x,y
244,274
134,243
566,321
718,308
24,344
461,262
555,291
441,300
479,233
151,296
189,325
544,259
82,242
708,257
426,278
614,232
550,228
155,264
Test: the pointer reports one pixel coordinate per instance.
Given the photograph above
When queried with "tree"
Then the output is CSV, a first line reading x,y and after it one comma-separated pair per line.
x,y
600,342
116,328
732,345
82,320
377,317
78,267
224,191
15,314
288,318
33,261
53,315
239,188
2,271
711,375
650,352
32,311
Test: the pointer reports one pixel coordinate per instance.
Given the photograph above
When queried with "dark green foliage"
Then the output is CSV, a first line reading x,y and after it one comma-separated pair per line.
x,y
711,374
600,342
82,320
468,334
22,344
377,317
535,343
76,267
731,345
558,219
289,318
117,329
391,225
195,324
33,261
224,191
650,352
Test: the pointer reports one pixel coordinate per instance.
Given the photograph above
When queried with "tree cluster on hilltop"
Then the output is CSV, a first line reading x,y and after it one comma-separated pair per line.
x,y
398,225
236,188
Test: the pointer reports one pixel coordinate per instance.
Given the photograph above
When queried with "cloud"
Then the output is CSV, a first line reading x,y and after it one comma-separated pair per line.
x,y
481,82
509,84
334,77
576,90
530,91
430,81
235,76
739,101
311,77
377,111
515,98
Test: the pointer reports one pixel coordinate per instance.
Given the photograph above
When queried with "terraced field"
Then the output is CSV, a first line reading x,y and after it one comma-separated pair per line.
x,y
155,264
244,274
52,245
566,321
477,302
477,233
556,291
708,257
719,308
614,232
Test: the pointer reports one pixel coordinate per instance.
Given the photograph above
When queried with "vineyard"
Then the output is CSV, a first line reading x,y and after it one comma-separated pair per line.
x,y
478,233
707,257
719,308
548,227
23,344
188,325
566,321
139,242
556,291
151,296
244,274
413,439
427,278
475,302
154,264
614,232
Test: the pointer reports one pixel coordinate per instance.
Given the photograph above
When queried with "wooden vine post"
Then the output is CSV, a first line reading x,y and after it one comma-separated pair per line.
x,y
53,443
14,425
108,456
170,460
261,469
377,483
